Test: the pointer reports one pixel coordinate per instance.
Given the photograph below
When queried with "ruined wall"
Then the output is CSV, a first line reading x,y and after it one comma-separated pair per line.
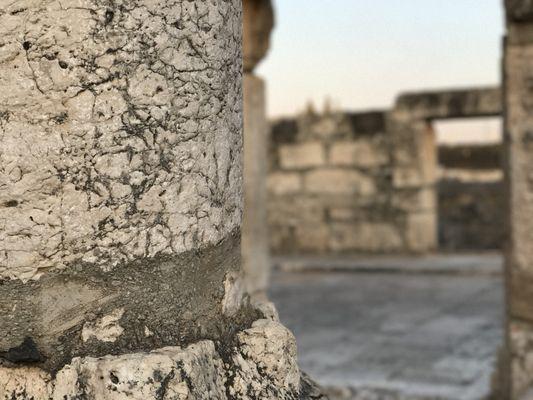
x,y
329,185
363,182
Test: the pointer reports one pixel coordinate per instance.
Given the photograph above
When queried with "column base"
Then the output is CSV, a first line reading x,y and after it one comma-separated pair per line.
x,y
256,363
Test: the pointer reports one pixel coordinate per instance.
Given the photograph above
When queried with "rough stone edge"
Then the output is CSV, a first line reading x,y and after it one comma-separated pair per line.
x,y
260,363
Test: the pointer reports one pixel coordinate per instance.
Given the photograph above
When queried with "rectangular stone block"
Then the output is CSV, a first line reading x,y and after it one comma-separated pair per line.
x,y
312,238
294,210
302,156
366,237
343,213
339,181
284,183
423,199
361,153
421,232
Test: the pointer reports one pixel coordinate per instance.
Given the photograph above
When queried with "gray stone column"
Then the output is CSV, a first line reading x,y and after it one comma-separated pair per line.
x,y
518,105
258,24
120,206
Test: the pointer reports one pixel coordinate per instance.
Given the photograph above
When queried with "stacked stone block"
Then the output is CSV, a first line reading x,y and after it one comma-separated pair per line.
x,y
363,182
328,184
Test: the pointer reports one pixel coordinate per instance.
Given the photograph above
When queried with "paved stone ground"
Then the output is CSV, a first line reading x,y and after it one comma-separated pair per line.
x,y
417,335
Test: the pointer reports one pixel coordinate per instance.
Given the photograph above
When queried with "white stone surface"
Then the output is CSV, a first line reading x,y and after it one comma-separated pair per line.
x,y
120,130
261,365
360,154
338,181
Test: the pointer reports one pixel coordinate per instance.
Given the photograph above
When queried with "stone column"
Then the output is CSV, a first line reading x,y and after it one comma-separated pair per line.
x,y
518,105
258,24
120,206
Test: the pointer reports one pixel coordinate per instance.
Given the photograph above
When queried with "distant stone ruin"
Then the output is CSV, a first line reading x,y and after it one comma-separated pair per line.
x,y
363,182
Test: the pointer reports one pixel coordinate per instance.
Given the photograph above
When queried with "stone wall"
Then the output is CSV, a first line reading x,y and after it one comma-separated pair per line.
x,y
471,197
363,182
329,185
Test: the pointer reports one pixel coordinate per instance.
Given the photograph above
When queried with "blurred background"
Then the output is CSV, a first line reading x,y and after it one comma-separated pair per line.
x,y
375,194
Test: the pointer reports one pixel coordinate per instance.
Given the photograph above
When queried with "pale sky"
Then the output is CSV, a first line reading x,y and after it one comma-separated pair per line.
x,y
362,53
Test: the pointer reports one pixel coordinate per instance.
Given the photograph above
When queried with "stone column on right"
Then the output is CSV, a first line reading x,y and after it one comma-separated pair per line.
x,y
258,18
517,365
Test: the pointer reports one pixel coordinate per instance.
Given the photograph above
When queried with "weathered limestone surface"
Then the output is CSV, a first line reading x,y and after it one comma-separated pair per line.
x,y
120,175
119,128
518,73
260,364
120,207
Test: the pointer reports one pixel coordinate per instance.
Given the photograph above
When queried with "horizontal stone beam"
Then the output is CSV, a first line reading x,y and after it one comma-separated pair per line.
x,y
462,103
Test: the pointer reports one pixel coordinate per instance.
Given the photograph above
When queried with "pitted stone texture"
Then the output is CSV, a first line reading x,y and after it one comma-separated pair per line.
x,y
170,373
260,365
120,130
258,24
24,383
265,364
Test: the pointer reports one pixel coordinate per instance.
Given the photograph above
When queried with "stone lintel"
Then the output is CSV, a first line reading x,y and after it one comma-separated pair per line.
x,y
462,103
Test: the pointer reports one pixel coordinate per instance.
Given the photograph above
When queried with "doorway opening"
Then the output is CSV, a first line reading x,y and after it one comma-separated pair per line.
x,y
470,184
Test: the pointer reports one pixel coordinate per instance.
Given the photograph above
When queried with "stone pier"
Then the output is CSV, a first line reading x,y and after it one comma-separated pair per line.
x,y
258,24
120,207
518,104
